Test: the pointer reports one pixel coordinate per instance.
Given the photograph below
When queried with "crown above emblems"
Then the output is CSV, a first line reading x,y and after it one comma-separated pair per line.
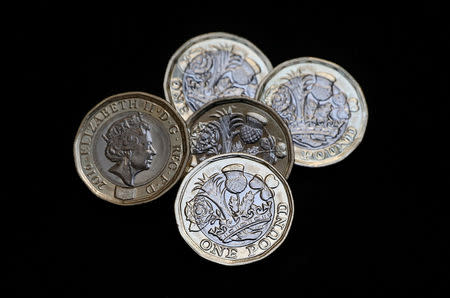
x,y
246,227
233,205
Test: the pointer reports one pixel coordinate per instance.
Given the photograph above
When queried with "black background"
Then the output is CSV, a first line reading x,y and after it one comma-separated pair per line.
x,y
369,225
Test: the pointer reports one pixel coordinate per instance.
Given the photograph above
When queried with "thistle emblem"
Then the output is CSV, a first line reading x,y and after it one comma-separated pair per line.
x,y
233,207
219,72
315,109
230,131
252,130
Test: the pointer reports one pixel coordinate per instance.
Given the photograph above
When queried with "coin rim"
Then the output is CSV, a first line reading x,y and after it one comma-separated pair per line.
x,y
191,243
184,140
199,38
362,100
251,101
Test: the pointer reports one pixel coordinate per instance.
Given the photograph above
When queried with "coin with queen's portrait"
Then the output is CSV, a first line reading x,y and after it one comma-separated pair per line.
x,y
131,148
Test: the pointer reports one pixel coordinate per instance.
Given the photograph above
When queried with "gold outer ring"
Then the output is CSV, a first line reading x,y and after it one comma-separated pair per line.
x,y
204,37
265,108
361,101
226,158
181,166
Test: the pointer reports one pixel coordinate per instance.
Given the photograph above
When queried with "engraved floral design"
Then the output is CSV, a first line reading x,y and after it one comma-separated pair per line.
x,y
273,149
218,72
266,186
232,206
229,131
314,108
205,139
253,128
199,212
235,180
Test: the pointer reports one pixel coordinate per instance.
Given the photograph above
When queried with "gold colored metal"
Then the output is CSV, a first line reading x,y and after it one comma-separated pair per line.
x,y
323,106
238,124
234,209
212,66
131,148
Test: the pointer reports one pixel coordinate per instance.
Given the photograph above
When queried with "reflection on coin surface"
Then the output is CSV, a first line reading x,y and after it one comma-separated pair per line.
x,y
238,124
234,209
131,148
211,66
322,104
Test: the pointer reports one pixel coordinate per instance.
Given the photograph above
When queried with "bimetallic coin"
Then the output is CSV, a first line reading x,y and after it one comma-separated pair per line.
x,y
237,124
322,104
131,148
211,66
234,209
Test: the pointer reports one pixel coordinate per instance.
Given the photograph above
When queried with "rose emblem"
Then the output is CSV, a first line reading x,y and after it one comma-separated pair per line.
x,y
205,139
199,211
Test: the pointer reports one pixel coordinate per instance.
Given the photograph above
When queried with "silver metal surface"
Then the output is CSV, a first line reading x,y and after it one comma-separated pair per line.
x,y
131,148
212,66
234,209
323,106
244,125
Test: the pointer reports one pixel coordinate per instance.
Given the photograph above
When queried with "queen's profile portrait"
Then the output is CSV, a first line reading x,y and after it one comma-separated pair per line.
x,y
129,146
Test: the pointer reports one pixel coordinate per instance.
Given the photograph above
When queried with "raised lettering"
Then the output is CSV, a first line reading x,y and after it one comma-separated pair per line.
x,y
232,253
176,152
352,130
251,250
264,244
151,188
176,84
205,244
86,139
164,116
84,149
280,222
319,155
273,234
100,185
172,165
282,208
132,103
164,179
173,129
92,125
105,112
148,106
98,120
88,166
175,158
217,249
114,107
184,109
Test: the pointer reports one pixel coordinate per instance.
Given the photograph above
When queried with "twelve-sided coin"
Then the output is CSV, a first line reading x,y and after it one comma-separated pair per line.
x,y
323,106
131,148
211,66
234,209
238,124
